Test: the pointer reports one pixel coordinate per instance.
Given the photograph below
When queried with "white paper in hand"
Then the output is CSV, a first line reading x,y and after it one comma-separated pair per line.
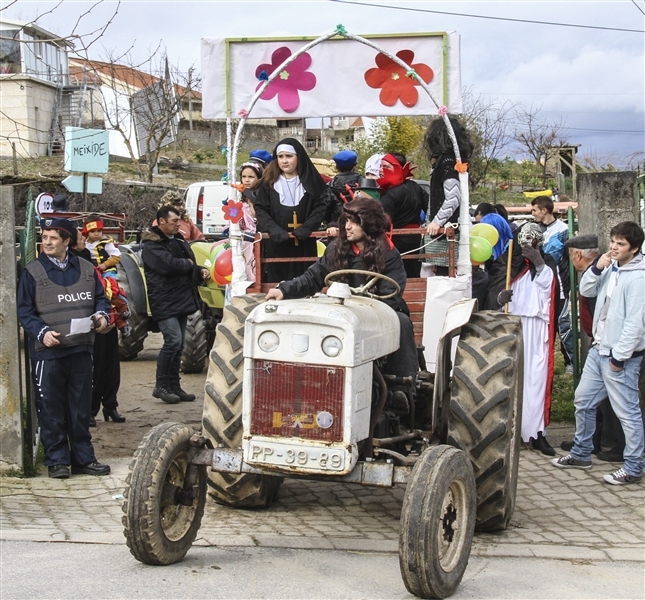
x,y
77,326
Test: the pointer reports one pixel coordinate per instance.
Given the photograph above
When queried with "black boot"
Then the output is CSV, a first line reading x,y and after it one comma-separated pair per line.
x,y
113,413
542,445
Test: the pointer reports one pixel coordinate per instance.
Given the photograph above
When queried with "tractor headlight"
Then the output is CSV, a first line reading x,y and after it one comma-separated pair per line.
x,y
268,341
332,346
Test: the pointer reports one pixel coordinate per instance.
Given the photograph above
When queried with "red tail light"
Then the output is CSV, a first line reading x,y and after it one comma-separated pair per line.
x,y
294,400
200,208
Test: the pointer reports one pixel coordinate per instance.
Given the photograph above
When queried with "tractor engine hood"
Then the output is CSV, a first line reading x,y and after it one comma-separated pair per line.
x,y
294,331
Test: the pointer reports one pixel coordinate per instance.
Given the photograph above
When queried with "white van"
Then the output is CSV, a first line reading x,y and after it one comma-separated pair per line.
x,y
204,201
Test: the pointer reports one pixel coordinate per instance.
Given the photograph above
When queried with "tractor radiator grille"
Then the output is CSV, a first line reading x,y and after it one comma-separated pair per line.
x,y
301,401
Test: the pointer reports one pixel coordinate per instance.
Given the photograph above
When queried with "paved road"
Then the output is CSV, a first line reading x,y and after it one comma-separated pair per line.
x,y
570,533
34,570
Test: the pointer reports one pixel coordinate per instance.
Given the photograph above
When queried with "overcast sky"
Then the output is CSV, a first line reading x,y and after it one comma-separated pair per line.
x,y
589,76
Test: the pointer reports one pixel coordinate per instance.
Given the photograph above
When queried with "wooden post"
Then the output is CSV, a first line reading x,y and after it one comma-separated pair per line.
x,y
85,184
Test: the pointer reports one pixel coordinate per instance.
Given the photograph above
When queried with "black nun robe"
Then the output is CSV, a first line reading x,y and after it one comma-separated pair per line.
x,y
277,219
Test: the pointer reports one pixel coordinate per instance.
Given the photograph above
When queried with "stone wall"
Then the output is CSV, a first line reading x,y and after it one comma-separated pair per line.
x,y
27,114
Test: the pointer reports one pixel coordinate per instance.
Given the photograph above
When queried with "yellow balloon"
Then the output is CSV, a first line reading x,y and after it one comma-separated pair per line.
x,y
486,231
480,250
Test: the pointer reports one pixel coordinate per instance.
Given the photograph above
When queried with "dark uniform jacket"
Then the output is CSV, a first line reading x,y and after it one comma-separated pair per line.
x,y
171,277
313,279
29,316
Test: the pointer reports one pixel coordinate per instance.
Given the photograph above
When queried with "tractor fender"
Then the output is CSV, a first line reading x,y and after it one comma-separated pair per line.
x,y
138,295
457,315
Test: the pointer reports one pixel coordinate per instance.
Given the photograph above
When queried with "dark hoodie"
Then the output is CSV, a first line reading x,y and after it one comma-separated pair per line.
x,y
172,274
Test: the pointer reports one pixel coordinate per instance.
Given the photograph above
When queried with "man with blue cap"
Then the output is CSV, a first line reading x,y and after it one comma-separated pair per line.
x,y
55,290
347,177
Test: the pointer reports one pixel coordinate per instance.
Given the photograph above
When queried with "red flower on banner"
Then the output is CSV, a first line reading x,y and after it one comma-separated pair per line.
x,y
289,82
233,211
395,81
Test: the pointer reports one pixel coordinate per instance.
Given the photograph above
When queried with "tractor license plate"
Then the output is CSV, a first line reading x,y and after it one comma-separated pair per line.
x,y
284,455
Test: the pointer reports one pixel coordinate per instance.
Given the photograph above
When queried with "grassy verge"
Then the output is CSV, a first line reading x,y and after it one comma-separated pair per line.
x,y
562,409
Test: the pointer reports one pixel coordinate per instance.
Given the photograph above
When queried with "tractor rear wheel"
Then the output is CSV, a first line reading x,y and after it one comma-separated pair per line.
x,y
129,347
485,413
161,521
222,417
193,357
437,523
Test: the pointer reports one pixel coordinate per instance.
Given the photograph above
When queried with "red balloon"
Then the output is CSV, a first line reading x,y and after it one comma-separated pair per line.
x,y
224,263
221,280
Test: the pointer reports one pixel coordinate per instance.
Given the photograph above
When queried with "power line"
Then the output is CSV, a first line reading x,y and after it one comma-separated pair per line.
x,y
638,7
455,14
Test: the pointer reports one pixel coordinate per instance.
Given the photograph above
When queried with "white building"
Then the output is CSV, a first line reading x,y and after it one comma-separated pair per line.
x,y
38,99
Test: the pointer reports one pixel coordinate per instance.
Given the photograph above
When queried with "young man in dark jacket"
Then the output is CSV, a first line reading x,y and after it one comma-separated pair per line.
x,y
362,243
54,289
172,276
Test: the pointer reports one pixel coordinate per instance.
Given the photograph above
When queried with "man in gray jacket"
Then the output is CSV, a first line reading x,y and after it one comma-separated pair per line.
x,y
612,368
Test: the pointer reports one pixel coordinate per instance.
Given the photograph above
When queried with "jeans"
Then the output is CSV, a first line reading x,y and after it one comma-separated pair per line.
x,y
169,359
597,382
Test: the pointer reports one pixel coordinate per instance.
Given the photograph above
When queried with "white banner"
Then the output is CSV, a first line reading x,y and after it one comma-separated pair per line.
x,y
338,77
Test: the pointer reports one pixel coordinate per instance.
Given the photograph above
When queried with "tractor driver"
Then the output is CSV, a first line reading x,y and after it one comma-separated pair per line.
x,y
364,243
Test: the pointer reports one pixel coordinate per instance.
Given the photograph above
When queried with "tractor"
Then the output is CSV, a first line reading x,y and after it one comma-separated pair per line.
x,y
200,328
295,389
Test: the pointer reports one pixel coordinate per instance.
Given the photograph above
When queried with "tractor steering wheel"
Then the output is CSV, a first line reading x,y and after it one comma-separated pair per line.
x,y
362,291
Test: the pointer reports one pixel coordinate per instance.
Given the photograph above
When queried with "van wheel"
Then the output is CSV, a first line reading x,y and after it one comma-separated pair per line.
x,y
222,417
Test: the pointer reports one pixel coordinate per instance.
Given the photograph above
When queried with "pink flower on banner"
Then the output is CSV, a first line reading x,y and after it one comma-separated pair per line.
x,y
443,110
289,82
243,113
393,80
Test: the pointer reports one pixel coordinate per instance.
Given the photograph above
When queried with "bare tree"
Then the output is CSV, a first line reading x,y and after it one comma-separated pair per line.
x,y
144,102
489,124
537,136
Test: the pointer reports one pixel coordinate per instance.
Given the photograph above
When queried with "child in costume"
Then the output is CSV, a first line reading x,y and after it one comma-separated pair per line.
x,y
292,199
105,255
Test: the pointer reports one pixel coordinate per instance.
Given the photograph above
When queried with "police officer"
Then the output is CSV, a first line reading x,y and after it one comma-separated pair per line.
x,y
54,289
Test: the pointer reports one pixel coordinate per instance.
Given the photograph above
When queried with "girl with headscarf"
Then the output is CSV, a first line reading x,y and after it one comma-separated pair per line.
x,y
403,200
291,199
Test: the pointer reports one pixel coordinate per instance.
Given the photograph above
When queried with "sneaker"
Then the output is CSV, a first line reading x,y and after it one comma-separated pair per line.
x,y
183,396
165,395
58,472
566,446
568,462
568,369
95,468
621,478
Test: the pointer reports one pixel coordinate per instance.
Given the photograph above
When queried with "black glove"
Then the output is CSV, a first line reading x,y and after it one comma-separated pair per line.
x,y
533,255
504,297
302,233
279,236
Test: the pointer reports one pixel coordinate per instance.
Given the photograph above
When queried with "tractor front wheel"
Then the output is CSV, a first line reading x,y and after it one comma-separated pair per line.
x,y
437,523
161,517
